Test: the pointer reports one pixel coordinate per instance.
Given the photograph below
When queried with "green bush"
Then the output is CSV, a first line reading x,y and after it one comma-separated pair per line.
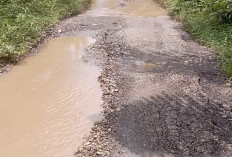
x,y
209,22
24,22
221,9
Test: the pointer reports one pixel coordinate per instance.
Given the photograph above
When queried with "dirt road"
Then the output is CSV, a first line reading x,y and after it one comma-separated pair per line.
x,y
164,95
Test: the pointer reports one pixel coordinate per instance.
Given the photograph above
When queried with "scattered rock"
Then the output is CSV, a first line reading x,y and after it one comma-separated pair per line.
x,y
229,84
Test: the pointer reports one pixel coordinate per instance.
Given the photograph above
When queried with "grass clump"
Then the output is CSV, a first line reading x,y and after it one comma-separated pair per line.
x,y
24,22
209,22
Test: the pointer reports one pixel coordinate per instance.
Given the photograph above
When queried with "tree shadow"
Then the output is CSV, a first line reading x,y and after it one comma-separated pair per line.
x,y
175,125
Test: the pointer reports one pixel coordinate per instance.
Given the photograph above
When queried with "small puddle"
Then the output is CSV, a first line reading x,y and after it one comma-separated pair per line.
x,y
49,102
137,66
103,8
144,8
149,66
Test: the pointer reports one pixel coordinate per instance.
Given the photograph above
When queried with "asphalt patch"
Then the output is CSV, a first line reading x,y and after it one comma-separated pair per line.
x,y
175,125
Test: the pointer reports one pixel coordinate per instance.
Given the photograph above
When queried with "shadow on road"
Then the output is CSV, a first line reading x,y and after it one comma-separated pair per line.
x,y
175,125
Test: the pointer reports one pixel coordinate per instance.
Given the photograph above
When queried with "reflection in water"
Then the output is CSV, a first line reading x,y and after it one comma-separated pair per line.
x,y
49,102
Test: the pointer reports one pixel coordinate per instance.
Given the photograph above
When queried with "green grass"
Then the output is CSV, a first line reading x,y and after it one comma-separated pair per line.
x,y
23,23
209,22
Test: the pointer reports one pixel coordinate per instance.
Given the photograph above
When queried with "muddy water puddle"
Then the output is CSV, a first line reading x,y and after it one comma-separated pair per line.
x,y
137,66
141,8
103,8
49,102
144,8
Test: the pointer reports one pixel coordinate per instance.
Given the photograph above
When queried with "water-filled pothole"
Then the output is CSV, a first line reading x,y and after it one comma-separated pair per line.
x,y
141,8
144,8
137,66
49,102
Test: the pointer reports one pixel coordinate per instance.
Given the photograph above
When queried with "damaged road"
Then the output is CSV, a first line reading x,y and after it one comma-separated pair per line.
x,y
164,95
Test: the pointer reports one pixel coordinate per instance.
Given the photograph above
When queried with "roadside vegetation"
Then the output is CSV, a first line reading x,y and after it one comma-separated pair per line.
x,y
23,23
209,22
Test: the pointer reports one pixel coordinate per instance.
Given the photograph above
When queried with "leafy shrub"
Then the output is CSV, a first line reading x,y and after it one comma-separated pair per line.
x,y
221,9
210,23
24,22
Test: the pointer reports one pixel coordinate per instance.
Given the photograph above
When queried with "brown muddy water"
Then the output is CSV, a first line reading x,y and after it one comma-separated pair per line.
x,y
142,8
49,102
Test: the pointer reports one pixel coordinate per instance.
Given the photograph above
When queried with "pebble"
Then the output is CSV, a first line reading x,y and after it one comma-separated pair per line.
x,y
98,153
228,84
224,116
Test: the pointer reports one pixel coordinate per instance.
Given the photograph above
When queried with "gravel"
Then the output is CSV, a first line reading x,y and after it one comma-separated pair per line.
x,y
164,95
